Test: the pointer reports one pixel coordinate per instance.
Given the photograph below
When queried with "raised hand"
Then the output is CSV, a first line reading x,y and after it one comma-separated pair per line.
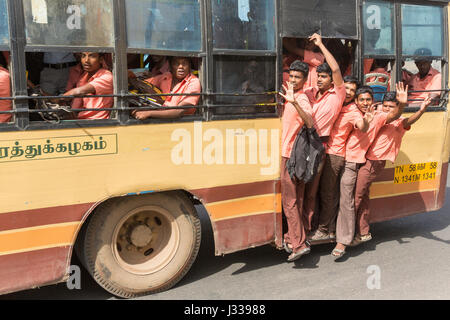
x,y
426,103
402,93
369,115
316,38
289,93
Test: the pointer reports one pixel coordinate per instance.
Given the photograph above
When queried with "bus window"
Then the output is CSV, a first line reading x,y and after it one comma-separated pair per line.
x,y
86,23
424,77
378,35
344,52
329,18
4,29
60,74
250,77
378,46
422,28
166,75
422,51
378,76
164,25
244,24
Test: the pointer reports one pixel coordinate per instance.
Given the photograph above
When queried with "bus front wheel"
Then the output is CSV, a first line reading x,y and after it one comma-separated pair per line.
x,y
144,244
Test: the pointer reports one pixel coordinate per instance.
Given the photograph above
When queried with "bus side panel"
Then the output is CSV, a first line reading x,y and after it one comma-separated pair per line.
x,y
383,209
445,155
243,216
35,245
25,270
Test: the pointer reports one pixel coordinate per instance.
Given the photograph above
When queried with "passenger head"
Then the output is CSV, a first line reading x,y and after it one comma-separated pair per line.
x,y
389,101
92,61
3,62
380,63
351,85
324,77
364,98
298,74
424,62
309,45
181,67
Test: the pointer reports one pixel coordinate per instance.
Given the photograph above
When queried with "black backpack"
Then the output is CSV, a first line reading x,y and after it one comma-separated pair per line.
x,y
306,155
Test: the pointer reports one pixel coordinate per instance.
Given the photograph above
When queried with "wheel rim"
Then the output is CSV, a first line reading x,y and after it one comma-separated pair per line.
x,y
145,240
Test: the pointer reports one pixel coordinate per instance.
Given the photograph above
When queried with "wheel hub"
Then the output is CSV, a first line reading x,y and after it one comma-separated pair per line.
x,y
141,235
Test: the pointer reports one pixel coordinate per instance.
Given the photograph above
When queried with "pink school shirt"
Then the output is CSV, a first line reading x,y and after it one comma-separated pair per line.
x,y
327,108
344,125
313,59
388,141
432,81
5,91
190,84
102,81
292,123
359,142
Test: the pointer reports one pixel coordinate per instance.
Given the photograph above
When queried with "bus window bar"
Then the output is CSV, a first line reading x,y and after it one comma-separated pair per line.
x,y
137,95
168,94
140,108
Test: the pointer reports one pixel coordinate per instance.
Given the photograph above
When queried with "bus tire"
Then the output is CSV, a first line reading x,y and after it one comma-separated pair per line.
x,y
144,244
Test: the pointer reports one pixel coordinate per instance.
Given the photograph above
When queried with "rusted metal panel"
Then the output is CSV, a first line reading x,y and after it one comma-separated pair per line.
x,y
31,269
244,232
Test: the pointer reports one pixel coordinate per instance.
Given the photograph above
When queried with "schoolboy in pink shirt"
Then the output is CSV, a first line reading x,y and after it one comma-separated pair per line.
x,y
355,156
297,113
427,78
385,147
180,80
95,80
349,119
326,99
5,91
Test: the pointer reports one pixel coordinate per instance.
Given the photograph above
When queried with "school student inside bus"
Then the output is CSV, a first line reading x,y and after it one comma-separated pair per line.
x,y
95,80
5,89
427,78
178,80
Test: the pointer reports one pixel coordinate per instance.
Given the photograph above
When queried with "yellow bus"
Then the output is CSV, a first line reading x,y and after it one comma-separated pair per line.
x,y
121,192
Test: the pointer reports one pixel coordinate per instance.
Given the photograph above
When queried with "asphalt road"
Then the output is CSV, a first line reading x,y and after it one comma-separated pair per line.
x,y
409,258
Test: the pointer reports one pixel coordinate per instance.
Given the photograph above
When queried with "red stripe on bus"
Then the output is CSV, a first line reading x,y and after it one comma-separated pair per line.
x,y
43,216
214,194
384,209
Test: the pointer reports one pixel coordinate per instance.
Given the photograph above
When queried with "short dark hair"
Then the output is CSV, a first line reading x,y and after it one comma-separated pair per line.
x,y
351,79
364,89
171,59
390,96
324,68
300,66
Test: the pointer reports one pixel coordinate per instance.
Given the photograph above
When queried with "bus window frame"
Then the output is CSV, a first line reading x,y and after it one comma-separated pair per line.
x,y
217,52
202,54
397,67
